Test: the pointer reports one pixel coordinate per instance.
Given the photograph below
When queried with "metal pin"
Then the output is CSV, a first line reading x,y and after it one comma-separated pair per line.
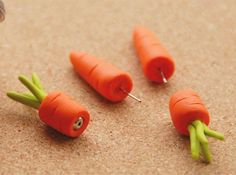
x,y
130,95
163,76
2,11
78,124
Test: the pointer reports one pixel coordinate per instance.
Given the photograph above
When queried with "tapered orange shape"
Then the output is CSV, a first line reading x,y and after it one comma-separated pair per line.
x,y
111,82
153,56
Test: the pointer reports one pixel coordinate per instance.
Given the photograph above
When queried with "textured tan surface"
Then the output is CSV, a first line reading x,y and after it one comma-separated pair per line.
x,y
124,138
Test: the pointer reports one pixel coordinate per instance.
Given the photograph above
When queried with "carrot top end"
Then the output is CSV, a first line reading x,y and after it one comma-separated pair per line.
x,y
36,81
194,142
38,93
200,131
25,99
212,133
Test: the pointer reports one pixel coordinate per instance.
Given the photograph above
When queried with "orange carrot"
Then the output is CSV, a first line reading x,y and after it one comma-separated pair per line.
x,y
158,66
186,107
111,82
55,109
190,117
63,114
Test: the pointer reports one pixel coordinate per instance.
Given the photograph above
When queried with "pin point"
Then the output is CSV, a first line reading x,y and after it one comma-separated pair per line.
x,y
108,80
2,11
132,96
163,77
158,66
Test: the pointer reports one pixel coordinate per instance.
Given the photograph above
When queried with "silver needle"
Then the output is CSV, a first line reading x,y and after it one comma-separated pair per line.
x,y
130,95
163,76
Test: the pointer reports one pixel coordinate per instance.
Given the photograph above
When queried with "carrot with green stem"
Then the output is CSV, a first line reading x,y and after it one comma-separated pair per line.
x,y
191,118
55,109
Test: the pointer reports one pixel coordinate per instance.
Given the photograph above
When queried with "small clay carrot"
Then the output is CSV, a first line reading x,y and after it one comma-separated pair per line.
x,y
2,11
55,109
191,118
158,66
111,82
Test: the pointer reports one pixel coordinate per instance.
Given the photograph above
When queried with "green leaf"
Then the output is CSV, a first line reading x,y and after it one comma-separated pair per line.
x,y
39,94
24,99
200,131
195,145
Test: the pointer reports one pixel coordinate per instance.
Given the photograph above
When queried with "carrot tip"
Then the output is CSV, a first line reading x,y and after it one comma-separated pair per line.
x,y
74,56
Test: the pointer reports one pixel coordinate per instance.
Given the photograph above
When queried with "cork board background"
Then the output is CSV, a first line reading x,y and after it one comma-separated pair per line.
x,y
128,137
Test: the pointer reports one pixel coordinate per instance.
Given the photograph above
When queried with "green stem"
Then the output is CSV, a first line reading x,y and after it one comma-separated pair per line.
x,y
36,81
30,95
200,131
39,94
212,133
195,145
24,99
206,152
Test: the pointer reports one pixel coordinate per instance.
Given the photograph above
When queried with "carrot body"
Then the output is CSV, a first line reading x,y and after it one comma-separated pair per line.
x,y
106,79
186,107
61,112
153,56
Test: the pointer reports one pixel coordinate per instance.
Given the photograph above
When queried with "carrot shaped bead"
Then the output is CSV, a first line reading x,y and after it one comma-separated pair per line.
x,y
158,66
111,82
62,113
191,118
186,107
56,109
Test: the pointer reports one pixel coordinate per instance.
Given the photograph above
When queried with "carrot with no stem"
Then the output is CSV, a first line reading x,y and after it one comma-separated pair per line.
x,y
111,82
190,117
55,109
158,66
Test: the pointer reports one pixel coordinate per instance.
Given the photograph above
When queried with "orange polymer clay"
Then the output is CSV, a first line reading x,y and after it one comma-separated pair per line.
x,y
181,95
111,82
155,59
191,118
56,109
186,107
62,113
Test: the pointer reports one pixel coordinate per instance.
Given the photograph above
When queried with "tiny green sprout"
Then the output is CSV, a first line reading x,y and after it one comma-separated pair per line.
x,y
198,132
32,98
